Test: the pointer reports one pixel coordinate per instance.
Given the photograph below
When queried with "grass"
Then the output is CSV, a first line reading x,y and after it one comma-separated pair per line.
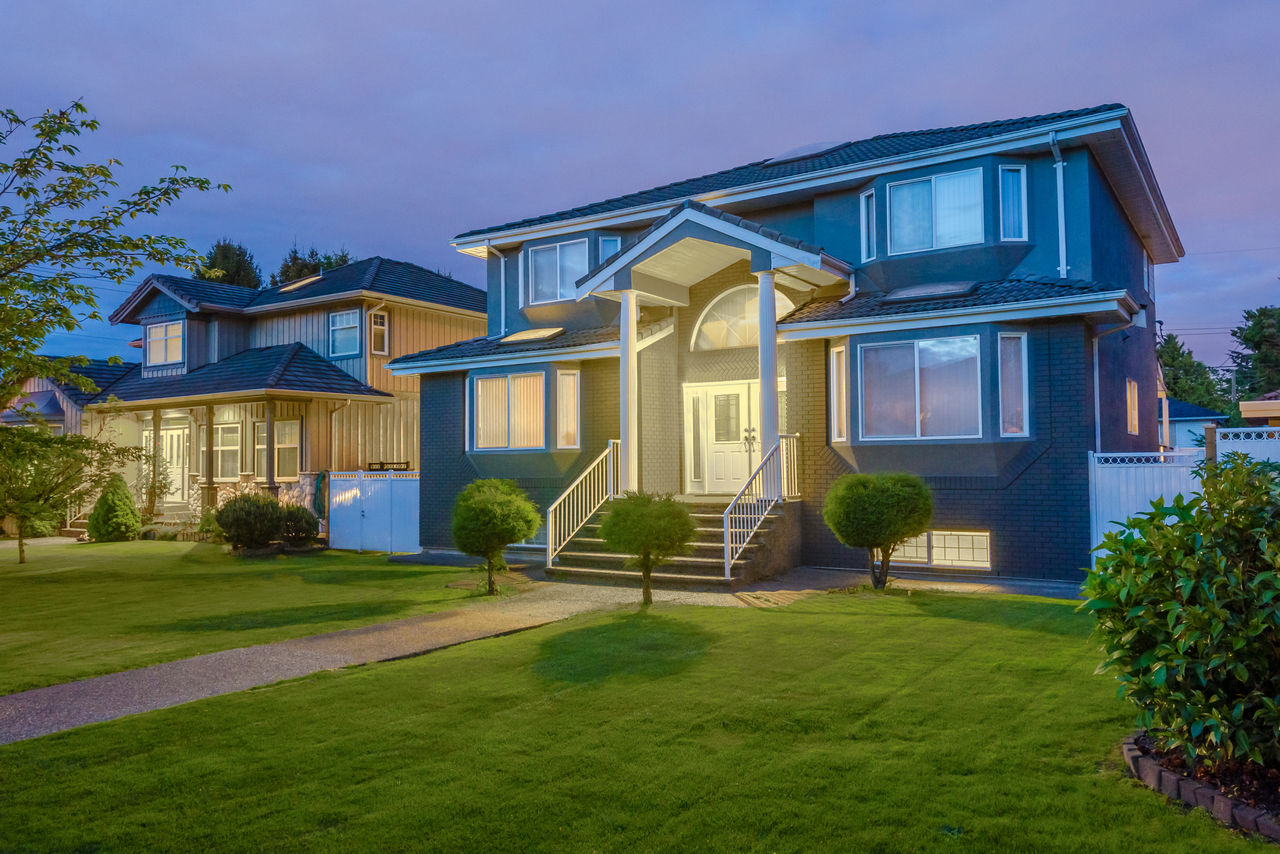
x,y
81,610
844,722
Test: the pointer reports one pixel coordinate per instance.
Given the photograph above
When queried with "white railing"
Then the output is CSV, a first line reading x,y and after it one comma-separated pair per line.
x,y
577,504
1261,443
790,465
749,507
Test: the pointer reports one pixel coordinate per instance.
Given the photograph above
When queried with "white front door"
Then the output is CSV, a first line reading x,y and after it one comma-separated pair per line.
x,y
722,435
173,448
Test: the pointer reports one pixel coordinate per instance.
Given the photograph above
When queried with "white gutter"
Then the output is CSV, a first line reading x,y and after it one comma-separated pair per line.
x,y
1058,164
587,351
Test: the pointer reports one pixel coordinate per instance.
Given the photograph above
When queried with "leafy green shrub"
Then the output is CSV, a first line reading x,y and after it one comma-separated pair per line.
x,y
115,518
299,525
1187,601
41,526
250,521
209,525
489,515
653,528
877,512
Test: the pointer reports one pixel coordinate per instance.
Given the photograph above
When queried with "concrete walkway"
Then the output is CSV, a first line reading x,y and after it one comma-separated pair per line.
x,y
60,707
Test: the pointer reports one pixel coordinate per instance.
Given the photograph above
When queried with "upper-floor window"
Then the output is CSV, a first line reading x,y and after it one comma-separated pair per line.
x,y
1013,203
733,319
509,412
867,220
935,212
554,270
379,334
344,332
609,246
921,389
164,343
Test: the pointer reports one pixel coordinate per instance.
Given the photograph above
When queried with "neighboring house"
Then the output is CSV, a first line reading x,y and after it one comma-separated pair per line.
x,y
972,304
61,406
1262,411
289,381
1187,423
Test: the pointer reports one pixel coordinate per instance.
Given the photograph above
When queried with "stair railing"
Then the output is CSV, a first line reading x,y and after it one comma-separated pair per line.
x,y
586,495
746,512
790,464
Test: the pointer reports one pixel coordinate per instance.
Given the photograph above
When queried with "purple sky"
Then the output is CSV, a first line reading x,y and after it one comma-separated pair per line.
x,y
390,127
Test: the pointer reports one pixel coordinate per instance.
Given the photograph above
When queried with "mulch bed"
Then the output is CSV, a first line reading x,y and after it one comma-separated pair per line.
x,y
1250,782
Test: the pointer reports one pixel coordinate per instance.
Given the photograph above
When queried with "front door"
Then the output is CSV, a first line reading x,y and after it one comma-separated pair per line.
x,y
173,447
722,435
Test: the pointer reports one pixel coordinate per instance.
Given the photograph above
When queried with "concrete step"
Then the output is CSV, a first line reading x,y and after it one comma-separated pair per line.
x,y
632,578
682,565
706,548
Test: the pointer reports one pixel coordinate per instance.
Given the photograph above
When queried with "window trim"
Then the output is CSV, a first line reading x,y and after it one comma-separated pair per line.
x,y
1026,386
259,475
182,342
356,325
839,355
219,449
933,210
577,408
474,420
276,423
1026,230
529,261
386,333
721,297
862,409
1132,421
867,224
600,247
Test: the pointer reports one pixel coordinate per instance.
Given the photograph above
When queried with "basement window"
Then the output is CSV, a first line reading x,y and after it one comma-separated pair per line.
x,y
951,549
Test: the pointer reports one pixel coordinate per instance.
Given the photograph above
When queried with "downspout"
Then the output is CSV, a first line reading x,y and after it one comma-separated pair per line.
x,y
1058,164
1097,394
502,288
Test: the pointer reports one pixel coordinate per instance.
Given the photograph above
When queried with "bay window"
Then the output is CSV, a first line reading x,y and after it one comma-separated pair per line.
x,y
1013,203
1013,384
344,332
567,409
935,212
554,270
164,343
921,389
509,412
838,396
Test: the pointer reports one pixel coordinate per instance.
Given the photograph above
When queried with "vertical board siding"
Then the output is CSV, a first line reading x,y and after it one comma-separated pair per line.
x,y
310,327
366,433
413,330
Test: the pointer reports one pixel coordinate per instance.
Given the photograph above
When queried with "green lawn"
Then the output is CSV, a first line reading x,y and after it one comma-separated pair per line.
x,y
843,722
82,610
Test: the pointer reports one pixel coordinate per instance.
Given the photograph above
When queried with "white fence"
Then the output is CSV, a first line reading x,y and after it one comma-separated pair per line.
x,y
1124,485
1261,443
374,511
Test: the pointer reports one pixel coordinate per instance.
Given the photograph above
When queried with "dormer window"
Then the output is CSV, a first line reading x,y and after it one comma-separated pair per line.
x,y
554,271
164,343
609,246
344,333
379,342
936,212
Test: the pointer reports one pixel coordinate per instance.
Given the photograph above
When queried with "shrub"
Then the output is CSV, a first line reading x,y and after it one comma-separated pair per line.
x,y
1187,602
299,525
877,512
115,518
653,528
250,521
489,515
209,525
42,526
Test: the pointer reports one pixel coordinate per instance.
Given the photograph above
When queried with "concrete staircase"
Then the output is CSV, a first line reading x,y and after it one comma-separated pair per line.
x,y
586,557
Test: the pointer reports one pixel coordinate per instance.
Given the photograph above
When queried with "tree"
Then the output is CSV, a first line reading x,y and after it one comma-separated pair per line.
x,y
652,528
489,515
1258,362
878,512
60,229
41,474
230,264
1187,378
298,266
115,518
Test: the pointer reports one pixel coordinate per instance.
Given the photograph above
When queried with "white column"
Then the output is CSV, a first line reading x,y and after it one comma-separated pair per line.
x,y
629,390
768,363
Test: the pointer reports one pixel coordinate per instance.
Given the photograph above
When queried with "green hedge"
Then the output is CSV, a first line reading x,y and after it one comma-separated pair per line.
x,y
115,518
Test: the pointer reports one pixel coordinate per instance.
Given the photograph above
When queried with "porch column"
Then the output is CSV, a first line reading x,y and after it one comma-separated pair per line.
x,y
209,492
629,389
155,499
271,448
768,305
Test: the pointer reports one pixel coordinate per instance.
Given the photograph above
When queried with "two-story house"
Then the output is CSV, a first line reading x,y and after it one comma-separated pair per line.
x,y
242,389
972,304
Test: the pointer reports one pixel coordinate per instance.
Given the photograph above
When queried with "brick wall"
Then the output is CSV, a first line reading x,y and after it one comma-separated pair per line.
x,y
661,434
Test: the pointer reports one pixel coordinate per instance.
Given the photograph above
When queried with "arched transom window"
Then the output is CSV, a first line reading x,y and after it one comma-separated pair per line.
x,y
733,319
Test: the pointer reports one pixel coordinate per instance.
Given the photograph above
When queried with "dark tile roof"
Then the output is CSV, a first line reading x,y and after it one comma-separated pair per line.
x,y
1012,290
481,347
101,373
1179,409
1271,395
200,292
284,367
845,154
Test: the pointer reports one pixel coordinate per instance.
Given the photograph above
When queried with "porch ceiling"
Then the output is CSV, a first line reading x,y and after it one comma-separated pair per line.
x,y
691,260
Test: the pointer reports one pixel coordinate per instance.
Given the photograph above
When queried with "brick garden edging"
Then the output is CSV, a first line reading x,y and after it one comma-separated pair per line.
x,y
1193,793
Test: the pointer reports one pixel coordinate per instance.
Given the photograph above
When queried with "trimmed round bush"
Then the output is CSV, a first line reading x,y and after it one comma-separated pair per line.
x,y
877,512
251,521
1187,602
489,515
652,528
299,525
115,518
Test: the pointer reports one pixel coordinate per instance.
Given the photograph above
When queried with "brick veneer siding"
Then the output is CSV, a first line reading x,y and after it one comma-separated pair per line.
x,y
1037,510
660,416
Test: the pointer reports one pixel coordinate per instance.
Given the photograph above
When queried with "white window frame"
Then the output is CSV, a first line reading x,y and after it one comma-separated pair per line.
x,y
838,393
334,315
603,254
867,224
529,297
929,551
385,317
218,450
259,474
165,337
862,411
933,211
1026,383
1132,423
474,419
278,445
1026,229
577,407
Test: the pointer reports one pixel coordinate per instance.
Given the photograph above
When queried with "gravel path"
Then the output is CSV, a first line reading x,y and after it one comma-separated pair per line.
x,y
42,711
